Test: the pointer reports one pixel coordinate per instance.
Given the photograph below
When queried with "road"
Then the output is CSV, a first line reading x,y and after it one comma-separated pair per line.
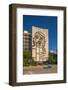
x,y
40,69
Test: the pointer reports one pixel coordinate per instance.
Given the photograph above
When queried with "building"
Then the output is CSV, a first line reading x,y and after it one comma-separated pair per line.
x,y
39,44
26,40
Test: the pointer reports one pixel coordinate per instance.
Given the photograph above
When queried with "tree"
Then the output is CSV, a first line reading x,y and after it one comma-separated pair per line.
x,y
26,57
26,54
52,58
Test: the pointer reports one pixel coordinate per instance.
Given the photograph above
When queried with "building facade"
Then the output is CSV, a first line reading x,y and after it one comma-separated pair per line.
x,y
26,40
39,44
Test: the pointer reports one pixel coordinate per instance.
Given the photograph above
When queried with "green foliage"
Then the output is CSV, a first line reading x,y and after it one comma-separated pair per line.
x,y
33,63
26,54
27,59
52,58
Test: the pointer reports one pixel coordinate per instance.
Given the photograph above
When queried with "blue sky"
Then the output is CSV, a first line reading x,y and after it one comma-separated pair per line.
x,y
47,22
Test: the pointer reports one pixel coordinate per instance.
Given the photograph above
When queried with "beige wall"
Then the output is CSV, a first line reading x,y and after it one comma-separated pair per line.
x,y
39,44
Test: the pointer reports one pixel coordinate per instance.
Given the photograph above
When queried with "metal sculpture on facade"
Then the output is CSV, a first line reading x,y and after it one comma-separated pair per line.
x,y
39,44
39,41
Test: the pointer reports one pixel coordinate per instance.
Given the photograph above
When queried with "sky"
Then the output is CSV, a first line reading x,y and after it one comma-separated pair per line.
x,y
45,22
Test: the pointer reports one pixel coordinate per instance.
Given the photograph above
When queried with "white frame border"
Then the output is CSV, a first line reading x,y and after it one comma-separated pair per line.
x,y
40,77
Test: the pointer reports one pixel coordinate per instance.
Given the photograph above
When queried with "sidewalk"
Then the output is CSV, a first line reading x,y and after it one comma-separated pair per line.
x,y
40,69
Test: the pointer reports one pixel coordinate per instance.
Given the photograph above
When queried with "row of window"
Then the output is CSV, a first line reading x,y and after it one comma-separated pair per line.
x,y
26,39
26,45
27,42
27,36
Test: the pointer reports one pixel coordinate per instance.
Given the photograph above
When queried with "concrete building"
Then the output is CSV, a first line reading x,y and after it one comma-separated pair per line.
x,y
26,40
39,44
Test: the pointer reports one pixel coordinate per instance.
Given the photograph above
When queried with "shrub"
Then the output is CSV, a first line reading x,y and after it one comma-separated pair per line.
x,y
27,59
52,58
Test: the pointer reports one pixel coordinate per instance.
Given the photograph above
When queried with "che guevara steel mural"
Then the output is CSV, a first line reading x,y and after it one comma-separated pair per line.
x,y
39,41
39,44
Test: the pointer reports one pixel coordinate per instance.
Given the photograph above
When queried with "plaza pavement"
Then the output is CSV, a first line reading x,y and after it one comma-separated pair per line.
x,y
40,69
